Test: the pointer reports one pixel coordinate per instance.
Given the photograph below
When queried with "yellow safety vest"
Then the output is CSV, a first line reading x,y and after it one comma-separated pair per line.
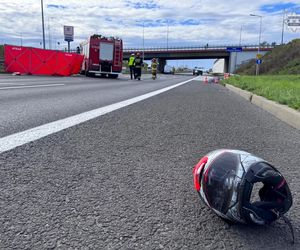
x,y
131,61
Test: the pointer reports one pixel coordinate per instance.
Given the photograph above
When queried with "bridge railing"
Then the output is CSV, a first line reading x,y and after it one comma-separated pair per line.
x,y
185,48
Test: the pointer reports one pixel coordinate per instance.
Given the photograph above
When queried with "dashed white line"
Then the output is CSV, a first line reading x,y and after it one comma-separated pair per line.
x,y
21,138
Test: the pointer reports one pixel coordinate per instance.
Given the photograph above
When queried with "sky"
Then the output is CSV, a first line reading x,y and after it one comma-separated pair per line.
x,y
156,23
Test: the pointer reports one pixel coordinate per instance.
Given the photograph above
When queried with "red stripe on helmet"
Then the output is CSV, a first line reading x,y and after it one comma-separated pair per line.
x,y
197,172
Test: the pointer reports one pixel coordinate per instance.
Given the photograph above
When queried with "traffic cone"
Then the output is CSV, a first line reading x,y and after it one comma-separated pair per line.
x,y
205,80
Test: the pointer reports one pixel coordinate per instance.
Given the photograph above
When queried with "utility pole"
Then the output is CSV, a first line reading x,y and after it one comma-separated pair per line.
x,y
259,37
43,25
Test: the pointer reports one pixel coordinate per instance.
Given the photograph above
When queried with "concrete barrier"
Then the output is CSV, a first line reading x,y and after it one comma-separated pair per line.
x,y
282,112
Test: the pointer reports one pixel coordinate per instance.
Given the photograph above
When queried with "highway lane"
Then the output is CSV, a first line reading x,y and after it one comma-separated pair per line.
x,y
124,180
30,101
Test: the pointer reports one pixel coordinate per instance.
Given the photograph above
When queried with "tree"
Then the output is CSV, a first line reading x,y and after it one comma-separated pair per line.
x,y
263,44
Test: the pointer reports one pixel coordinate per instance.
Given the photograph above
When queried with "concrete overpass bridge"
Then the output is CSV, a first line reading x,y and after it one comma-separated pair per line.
x,y
232,59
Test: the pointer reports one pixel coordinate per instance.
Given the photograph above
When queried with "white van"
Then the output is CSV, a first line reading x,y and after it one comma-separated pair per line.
x,y
168,69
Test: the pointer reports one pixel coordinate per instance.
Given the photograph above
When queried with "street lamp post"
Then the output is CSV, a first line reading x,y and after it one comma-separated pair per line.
x,y
143,40
258,49
43,25
49,33
167,34
240,42
241,35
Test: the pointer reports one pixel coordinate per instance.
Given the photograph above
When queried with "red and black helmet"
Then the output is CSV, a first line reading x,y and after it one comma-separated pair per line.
x,y
225,178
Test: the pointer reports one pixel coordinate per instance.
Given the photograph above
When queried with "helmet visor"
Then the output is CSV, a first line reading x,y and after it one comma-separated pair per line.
x,y
220,182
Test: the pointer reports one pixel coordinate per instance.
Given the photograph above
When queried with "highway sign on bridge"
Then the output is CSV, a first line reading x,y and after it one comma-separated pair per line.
x,y
234,49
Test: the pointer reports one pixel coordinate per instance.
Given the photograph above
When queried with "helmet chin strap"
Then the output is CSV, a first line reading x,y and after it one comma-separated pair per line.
x,y
256,219
288,222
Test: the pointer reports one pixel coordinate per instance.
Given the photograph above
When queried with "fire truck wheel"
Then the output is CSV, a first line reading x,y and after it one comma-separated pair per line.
x,y
113,76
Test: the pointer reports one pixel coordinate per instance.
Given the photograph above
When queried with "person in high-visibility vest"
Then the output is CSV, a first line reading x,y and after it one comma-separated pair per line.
x,y
138,64
154,68
131,65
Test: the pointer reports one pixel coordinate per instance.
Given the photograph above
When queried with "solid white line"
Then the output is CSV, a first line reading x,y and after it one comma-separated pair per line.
x,y
12,141
7,83
40,79
32,86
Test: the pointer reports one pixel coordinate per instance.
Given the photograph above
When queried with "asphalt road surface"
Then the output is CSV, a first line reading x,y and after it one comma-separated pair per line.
x,y
124,180
30,101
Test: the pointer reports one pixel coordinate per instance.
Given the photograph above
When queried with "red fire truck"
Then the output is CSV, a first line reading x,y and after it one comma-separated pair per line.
x,y
103,56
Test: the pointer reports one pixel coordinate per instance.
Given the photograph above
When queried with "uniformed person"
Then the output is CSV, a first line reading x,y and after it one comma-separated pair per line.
x,y
131,65
138,64
154,68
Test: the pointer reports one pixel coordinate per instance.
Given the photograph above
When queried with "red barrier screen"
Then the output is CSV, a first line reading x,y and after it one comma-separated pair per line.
x,y
34,61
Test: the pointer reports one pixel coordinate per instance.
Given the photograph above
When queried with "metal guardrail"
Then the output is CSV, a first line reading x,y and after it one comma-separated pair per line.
x,y
202,48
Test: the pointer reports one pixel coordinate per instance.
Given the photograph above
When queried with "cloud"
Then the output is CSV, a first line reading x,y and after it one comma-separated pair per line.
x,y
189,22
142,5
56,6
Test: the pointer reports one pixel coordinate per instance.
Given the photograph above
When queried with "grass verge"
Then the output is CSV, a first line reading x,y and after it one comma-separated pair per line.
x,y
284,89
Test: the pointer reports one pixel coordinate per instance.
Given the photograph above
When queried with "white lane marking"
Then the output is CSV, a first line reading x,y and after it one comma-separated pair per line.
x,y
12,141
32,86
41,79
7,83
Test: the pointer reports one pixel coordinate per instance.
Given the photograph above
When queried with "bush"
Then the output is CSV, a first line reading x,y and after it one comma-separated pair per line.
x,y
283,59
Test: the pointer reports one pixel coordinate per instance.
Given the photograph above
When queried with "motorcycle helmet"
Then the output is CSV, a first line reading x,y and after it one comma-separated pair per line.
x,y
225,178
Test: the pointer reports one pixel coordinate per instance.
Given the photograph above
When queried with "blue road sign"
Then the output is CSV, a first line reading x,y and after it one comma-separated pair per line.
x,y
234,49
69,38
258,61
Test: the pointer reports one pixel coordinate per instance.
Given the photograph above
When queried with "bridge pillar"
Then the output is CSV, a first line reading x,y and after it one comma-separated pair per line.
x,y
226,65
161,64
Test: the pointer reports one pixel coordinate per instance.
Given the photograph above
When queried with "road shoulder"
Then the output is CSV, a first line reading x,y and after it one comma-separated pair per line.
x,y
282,112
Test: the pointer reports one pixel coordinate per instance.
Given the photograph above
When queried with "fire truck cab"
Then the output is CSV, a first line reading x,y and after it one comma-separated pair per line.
x,y
103,56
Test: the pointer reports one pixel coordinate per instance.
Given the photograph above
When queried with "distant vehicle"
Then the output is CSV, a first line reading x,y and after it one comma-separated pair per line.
x,y
198,71
102,56
168,69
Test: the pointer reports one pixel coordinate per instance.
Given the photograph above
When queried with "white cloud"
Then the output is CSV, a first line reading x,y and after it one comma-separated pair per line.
x,y
216,22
